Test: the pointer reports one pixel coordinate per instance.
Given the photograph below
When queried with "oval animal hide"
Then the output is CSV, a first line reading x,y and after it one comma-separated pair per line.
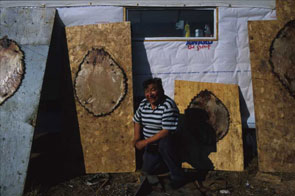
x,y
282,56
100,84
11,68
213,111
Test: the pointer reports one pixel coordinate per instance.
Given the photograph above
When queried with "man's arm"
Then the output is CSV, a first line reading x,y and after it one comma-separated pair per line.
x,y
161,134
137,130
143,143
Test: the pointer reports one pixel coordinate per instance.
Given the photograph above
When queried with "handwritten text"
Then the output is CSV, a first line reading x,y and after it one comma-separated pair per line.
x,y
199,44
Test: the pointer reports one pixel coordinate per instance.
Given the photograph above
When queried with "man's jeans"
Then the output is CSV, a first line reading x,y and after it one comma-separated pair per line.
x,y
165,156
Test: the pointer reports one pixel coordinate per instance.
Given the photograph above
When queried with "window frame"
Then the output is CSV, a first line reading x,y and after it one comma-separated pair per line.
x,y
155,39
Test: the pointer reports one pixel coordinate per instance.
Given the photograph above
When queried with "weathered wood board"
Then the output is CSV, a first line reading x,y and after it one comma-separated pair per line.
x,y
106,140
274,105
228,154
31,29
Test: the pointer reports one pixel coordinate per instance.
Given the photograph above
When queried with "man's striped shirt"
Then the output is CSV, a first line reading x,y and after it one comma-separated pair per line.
x,y
164,116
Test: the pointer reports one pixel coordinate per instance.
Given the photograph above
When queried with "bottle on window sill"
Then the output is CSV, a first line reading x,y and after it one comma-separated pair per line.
x,y
187,30
207,31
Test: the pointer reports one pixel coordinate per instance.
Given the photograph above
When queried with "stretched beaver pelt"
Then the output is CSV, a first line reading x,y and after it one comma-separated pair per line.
x,y
207,113
282,56
11,68
100,84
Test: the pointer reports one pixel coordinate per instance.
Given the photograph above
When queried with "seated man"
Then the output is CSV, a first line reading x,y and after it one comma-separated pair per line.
x,y
157,118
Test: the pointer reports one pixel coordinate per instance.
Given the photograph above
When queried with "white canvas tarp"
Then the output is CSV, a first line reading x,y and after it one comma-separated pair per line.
x,y
159,3
224,61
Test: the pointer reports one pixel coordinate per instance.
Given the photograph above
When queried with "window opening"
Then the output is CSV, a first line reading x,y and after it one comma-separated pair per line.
x,y
172,23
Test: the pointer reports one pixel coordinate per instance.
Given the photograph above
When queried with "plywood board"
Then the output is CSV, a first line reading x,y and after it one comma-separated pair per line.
x,y
274,104
31,29
228,153
106,140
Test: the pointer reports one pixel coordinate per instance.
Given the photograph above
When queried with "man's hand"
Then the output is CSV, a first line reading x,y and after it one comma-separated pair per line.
x,y
141,144
134,142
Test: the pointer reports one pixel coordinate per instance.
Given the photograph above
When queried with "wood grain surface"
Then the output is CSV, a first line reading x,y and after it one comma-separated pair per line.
x,y
229,150
274,105
106,140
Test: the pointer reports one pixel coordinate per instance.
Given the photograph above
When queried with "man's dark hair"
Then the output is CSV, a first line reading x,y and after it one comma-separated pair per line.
x,y
156,81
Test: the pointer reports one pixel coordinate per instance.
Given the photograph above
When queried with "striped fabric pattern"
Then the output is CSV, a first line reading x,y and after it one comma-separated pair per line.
x,y
165,116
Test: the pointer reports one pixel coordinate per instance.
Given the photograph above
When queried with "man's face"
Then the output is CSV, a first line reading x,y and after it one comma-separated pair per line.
x,y
153,94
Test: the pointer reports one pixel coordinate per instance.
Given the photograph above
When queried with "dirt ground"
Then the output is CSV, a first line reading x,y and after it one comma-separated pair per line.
x,y
249,182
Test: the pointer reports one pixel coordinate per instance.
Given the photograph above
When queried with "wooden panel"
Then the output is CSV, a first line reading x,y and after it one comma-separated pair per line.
x,y
18,114
229,150
18,121
106,140
274,105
